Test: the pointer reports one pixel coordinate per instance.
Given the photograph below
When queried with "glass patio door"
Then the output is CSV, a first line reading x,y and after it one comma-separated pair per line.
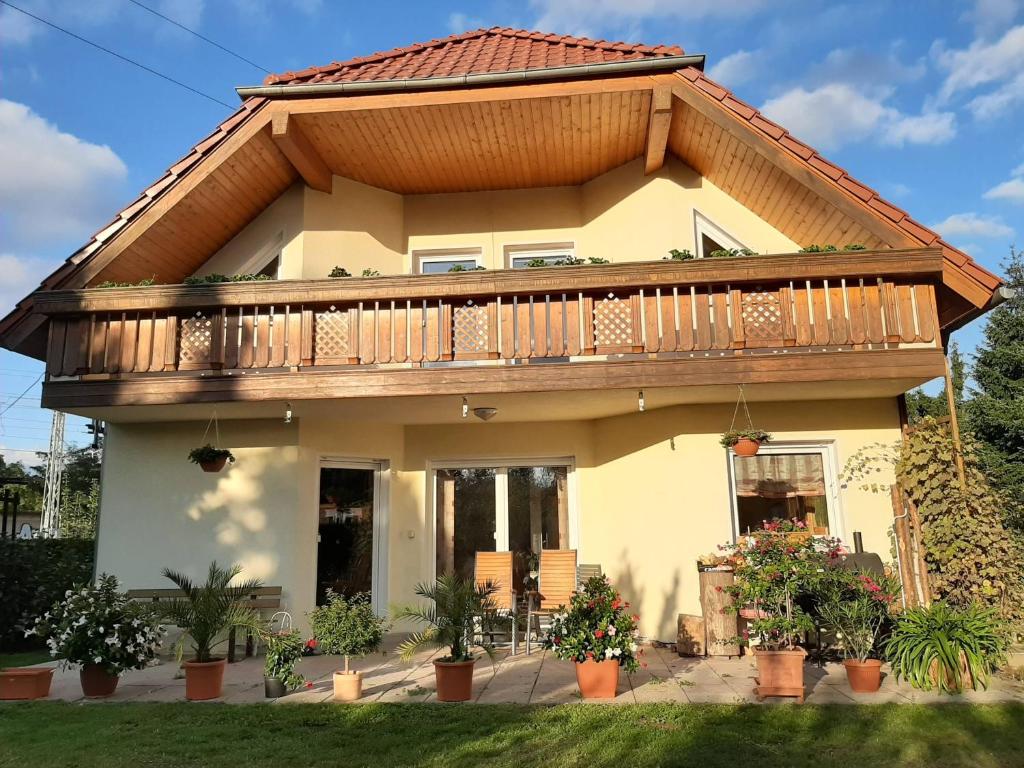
x,y
517,508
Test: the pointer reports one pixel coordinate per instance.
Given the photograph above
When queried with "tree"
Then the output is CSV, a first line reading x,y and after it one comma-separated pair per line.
x,y
921,405
996,408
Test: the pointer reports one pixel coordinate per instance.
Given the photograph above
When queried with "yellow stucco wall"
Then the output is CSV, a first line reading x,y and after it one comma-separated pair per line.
x,y
652,493
620,216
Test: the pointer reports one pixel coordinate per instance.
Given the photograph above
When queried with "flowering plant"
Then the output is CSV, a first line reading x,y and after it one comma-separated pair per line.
x,y
857,609
97,624
596,626
284,649
775,568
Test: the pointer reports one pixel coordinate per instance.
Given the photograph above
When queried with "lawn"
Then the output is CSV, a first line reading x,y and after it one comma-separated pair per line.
x,y
24,658
51,734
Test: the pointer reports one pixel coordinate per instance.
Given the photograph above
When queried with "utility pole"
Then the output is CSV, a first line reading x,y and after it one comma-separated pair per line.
x,y
49,526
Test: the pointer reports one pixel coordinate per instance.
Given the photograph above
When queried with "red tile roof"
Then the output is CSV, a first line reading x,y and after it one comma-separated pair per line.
x,y
838,176
498,49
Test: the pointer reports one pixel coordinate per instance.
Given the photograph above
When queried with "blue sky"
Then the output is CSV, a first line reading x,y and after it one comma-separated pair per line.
x,y
921,100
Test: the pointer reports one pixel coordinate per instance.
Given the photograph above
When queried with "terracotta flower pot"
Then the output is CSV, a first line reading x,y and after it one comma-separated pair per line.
x,y
597,679
863,676
454,680
97,681
273,687
348,686
23,683
204,680
214,466
780,673
746,447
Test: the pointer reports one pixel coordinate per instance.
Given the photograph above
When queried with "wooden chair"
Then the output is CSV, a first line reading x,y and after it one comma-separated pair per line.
x,y
585,572
496,568
556,584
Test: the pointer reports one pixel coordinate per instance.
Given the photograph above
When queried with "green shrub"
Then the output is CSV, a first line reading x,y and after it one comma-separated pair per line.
x,y
339,272
676,255
218,278
34,574
284,649
946,647
347,625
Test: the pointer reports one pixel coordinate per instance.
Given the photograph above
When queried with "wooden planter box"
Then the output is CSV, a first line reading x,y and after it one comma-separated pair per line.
x,y
24,683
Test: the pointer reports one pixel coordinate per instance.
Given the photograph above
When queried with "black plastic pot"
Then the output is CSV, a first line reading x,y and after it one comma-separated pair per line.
x,y
274,688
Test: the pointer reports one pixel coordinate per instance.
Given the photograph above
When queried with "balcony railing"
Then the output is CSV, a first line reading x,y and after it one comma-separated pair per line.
x,y
859,300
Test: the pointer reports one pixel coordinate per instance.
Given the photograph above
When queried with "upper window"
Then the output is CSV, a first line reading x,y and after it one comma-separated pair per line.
x,y
435,262
789,483
535,255
710,237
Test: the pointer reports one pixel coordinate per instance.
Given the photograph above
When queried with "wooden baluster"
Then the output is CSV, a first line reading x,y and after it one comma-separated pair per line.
x,y
651,318
637,315
431,315
787,310
720,317
905,308
447,332
736,316
144,357
293,348
367,333
574,323
76,347
246,350
541,330
507,338
114,343
261,341
822,329
492,329
217,320
98,346
55,346
891,311
702,308
306,346
278,336
589,340
170,343
667,315
556,324
840,319
874,317
383,310
855,300
129,338
802,305
416,333
927,316
525,348
684,315
400,331
232,346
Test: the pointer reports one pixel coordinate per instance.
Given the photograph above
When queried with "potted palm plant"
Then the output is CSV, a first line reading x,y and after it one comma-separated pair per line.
x,y
205,614
856,610
599,635
210,459
773,572
455,603
284,649
347,626
99,628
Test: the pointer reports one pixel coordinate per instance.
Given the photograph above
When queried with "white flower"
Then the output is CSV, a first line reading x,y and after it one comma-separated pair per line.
x,y
617,652
98,659
611,630
633,647
607,653
68,593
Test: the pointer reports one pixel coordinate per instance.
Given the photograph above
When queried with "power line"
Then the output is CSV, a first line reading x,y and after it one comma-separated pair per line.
x,y
191,31
118,55
38,378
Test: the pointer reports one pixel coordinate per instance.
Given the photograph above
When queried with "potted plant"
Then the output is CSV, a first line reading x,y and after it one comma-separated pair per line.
x,y
773,572
347,626
209,458
745,442
856,609
205,614
455,604
599,635
100,629
947,647
284,649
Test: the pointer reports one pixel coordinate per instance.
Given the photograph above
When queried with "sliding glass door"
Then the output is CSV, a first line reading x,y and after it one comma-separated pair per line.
x,y
521,507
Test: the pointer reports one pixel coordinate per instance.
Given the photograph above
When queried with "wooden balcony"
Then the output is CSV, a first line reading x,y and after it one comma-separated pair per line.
x,y
795,317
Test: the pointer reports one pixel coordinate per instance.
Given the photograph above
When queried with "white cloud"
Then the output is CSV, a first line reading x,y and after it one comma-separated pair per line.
x,y
462,22
18,29
583,17
866,68
973,225
54,185
837,114
738,68
21,276
1012,190
997,65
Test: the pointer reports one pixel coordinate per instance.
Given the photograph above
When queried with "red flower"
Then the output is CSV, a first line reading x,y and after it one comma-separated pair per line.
x,y
718,589
309,685
557,640
311,643
634,617
616,603
599,634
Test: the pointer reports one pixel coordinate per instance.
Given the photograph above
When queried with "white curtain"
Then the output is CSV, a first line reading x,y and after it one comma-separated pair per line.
x,y
780,476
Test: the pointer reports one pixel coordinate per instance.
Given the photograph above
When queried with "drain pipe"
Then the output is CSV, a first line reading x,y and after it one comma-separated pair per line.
x,y
484,78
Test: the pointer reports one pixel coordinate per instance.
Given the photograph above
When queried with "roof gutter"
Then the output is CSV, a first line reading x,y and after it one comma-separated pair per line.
x,y
468,80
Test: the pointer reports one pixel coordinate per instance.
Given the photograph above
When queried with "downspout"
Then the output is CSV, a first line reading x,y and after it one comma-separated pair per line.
x,y
486,78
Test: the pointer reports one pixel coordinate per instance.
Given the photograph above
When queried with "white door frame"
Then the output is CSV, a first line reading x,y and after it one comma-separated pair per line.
x,y
830,464
500,465
381,469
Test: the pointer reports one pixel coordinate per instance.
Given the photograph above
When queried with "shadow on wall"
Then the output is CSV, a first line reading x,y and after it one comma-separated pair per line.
x,y
629,586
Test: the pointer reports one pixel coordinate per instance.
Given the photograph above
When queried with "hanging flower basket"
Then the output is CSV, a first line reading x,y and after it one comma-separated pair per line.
x,y
745,442
209,458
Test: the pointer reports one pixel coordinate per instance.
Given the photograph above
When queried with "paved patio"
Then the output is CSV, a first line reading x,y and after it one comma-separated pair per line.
x,y
539,678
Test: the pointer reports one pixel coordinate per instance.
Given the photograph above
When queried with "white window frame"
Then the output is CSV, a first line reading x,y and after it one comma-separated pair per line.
x,y
433,255
501,465
830,464
514,251
264,256
381,469
702,225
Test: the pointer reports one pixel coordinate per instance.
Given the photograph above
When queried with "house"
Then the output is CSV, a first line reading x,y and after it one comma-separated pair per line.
x,y
460,397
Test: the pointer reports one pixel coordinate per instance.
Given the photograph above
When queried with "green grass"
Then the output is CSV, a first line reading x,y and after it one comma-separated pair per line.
x,y
24,658
52,734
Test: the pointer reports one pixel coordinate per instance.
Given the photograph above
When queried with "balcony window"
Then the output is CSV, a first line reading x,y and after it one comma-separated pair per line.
x,y
710,237
436,262
524,256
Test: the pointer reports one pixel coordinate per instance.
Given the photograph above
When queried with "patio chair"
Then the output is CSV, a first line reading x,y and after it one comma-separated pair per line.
x,y
496,568
556,584
585,572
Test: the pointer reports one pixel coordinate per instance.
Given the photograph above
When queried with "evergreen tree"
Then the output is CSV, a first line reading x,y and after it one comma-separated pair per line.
x,y
996,408
921,405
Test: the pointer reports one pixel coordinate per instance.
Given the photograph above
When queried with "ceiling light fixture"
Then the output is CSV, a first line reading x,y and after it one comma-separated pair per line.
x,y
287,413
485,414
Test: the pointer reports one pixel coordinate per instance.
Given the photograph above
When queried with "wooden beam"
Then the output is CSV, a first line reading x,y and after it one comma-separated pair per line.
x,y
300,152
909,367
658,124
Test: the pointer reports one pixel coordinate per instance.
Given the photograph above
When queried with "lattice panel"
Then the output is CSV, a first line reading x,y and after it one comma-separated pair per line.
x,y
196,339
332,334
762,316
470,328
613,322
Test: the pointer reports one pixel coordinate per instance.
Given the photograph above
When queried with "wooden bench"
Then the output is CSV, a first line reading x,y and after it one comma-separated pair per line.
x,y
262,599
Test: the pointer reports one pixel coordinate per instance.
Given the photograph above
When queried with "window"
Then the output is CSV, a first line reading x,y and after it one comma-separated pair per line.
x,y
521,256
272,268
267,260
520,508
710,237
436,262
785,482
